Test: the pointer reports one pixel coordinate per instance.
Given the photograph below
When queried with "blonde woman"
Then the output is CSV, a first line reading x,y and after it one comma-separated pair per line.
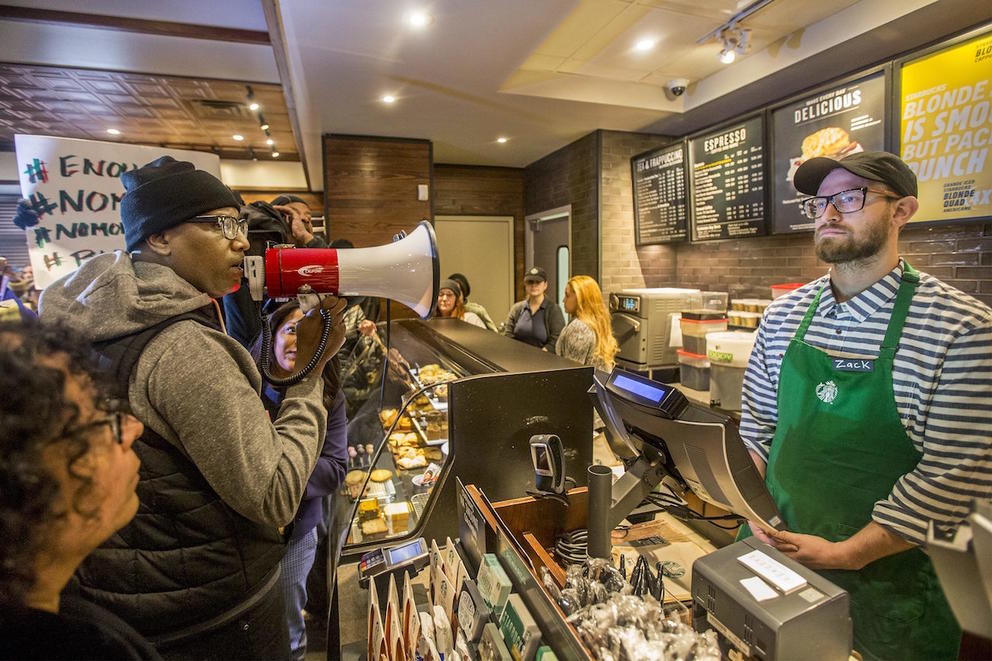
x,y
588,338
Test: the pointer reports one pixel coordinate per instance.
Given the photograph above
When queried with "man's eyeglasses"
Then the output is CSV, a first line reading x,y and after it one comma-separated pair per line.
x,y
229,225
846,201
115,415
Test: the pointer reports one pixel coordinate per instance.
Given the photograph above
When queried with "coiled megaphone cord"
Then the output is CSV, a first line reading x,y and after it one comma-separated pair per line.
x,y
292,379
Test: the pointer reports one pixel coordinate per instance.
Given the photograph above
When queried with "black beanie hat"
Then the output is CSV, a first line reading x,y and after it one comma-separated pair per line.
x,y
165,193
288,199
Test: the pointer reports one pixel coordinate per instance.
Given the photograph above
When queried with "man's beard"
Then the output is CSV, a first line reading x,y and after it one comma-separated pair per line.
x,y
838,250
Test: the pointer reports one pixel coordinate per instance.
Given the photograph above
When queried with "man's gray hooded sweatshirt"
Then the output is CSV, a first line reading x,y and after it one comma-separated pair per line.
x,y
218,478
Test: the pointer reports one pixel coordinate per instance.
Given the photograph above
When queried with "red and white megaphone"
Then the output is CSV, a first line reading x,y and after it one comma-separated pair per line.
x,y
406,271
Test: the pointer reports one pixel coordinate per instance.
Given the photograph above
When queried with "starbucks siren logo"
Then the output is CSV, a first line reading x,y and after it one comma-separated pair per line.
x,y
827,392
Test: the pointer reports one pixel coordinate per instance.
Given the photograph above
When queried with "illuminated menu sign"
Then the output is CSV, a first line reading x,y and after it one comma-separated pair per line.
x,y
836,122
660,209
728,193
946,111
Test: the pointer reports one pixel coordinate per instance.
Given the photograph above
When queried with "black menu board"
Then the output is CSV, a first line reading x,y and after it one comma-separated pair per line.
x,y
836,121
660,209
728,190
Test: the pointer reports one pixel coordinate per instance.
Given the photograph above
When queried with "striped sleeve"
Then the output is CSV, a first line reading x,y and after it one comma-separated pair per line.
x,y
759,405
956,466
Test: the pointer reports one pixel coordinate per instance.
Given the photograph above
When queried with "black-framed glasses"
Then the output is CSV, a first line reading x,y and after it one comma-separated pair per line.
x,y
229,225
846,201
115,413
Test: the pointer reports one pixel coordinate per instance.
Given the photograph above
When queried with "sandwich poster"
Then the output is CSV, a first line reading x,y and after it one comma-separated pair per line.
x,y
834,122
74,189
946,129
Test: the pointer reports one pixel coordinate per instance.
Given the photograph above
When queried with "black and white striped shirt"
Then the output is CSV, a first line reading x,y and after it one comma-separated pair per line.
x,y
942,378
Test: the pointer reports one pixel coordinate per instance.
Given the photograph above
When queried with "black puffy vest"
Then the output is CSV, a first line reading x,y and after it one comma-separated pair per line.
x,y
187,557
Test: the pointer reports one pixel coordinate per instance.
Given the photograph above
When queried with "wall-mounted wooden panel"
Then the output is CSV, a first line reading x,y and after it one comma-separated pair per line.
x,y
485,191
370,189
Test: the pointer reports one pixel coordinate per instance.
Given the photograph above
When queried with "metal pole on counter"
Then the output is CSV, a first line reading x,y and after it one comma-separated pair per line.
x,y
600,502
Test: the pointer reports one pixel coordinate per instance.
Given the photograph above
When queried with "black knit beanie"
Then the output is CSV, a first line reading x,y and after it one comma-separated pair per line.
x,y
165,193
288,199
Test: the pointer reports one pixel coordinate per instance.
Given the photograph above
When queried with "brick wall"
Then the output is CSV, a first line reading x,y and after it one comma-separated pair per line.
x,y
624,265
570,176
960,256
485,191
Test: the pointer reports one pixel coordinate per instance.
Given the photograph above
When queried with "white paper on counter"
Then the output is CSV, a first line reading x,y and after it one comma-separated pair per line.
x,y
760,590
675,337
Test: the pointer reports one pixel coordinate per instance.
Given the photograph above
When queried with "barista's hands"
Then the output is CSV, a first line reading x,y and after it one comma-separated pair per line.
x,y
309,329
299,225
812,551
367,328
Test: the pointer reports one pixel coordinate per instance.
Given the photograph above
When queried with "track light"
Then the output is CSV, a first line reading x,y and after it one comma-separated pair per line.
x,y
736,41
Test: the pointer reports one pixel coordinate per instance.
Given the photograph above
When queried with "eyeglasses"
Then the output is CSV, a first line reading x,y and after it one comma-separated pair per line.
x,y
229,225
116,412
846,201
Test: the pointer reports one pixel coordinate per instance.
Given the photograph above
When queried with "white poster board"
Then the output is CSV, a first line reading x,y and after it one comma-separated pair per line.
x,y
74,186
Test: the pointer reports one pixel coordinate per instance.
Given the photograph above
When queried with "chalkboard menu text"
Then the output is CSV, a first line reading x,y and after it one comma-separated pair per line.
x,y
660,210
728,190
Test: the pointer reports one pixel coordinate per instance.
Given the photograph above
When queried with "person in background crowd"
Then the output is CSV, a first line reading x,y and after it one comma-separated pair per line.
x,y
861,460
451,304
18,297
536,320
68,474
477,309
286,219
588,338
197,572
327,476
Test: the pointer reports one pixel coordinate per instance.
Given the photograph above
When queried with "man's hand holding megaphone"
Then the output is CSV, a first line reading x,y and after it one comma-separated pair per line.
x,y
308,332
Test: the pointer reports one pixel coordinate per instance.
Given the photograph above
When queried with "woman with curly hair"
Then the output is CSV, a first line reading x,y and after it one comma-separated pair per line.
x,y
67,483
588,338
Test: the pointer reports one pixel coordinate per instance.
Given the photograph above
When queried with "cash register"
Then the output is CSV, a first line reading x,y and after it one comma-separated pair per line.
x,y
762,602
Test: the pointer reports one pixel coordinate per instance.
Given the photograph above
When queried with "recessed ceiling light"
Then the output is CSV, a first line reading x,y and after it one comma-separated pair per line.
x,y
113,131
270,142
501,140
253,105
275,154
419,19
388,98
238,137
644,45
264,127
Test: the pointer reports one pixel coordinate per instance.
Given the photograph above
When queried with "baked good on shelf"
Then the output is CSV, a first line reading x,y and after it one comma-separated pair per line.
x,y
381,475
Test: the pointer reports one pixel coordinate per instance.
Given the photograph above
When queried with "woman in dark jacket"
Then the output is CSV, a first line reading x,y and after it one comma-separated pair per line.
x,y
68,474
327,476
536,320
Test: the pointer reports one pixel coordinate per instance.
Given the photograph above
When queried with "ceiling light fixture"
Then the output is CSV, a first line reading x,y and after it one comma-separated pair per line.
x,y
264,127
501,140
270,142
419,19
736,41
114,131
275,154
388,98
644,45
238,137
253,105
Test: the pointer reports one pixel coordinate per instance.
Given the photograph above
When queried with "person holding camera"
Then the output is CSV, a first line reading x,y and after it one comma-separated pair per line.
x,y
197,571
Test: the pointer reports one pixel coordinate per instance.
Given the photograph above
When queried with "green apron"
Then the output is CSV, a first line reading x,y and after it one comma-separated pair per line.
x,y
839,447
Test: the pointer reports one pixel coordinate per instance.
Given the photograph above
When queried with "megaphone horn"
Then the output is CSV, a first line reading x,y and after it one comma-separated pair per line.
x,y
406,271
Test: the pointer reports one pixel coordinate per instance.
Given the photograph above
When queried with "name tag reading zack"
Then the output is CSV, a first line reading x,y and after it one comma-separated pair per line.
x,y
853,365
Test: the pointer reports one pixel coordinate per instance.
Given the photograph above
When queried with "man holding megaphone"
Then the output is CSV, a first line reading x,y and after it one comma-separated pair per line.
x,y
197,571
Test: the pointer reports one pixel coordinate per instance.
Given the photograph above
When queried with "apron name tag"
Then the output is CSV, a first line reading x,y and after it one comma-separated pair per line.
x,y
853,365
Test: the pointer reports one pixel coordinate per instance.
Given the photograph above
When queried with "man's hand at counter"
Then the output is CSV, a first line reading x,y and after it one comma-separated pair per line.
x,y
867,545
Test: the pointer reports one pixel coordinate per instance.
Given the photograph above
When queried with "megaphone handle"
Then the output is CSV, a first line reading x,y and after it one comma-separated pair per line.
x,y
292,379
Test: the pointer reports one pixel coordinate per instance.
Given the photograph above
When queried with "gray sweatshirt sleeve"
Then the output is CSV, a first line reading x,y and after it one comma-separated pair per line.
x,y
199,390
577,342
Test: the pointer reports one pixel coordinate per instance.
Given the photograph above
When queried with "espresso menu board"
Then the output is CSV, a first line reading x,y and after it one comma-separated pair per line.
x,y
660,210
728,194
836,122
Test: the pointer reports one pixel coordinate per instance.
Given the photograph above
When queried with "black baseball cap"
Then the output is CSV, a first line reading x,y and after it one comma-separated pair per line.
x,y
536,274
880,166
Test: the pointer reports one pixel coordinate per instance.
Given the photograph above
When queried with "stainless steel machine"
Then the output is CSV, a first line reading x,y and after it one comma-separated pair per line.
x,y
642,324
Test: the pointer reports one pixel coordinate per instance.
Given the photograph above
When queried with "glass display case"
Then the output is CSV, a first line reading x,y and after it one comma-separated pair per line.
x,y
456,400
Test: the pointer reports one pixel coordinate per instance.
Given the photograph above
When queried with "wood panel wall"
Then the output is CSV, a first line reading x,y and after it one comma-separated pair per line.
x,y
370,189
485,191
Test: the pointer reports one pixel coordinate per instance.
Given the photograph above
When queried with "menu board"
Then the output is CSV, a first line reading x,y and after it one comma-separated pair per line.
x,y
660,209
836,122
728,195
945,102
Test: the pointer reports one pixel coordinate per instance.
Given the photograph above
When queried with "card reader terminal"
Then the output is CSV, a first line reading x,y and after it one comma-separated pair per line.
x,y
412,557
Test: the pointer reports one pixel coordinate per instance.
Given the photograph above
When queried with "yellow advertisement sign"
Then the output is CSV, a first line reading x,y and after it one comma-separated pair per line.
x,y
946,126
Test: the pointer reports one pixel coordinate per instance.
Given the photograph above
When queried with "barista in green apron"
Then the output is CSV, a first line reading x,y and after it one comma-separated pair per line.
x,y
839,447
